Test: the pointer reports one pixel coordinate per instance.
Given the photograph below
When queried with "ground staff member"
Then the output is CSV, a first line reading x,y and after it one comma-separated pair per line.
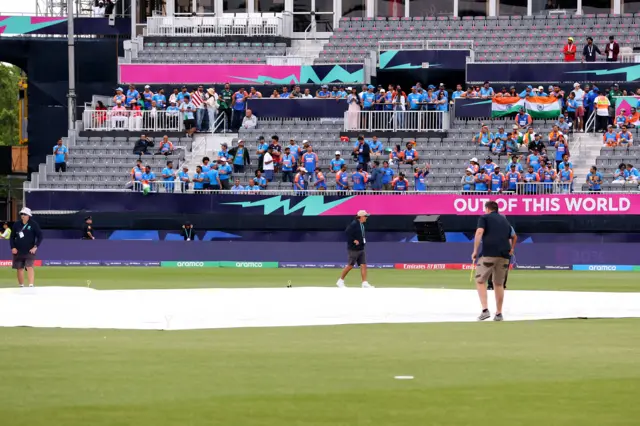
x,y
25,240
356,242
494,231
6,231
87,229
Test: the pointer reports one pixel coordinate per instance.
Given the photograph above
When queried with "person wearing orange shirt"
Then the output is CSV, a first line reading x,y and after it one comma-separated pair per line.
x,y
553,135
633,120
569,50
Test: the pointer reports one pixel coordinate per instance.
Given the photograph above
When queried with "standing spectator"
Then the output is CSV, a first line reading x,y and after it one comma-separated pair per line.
x,y
458,93
225,101
355,103
533,160
240,157
561,150
566,178
497,180
579,105
601,103
132,94
184,179
147,97
169,176
359,179
489,165
565,164
320,182
612,50
276,153
224,171
174,96
387,176
25,239
288,163
239,103
187,109
119,96
198,180
363,152
213,178
250,121
420,178
136,175
376,176
513,177
410,154
482,181
268,164
309,158
296,151
212,107
342,179
336,164
531,178
569,50
554,134
160,99
300,181
224,151
468,180
523,119
590,50
149,178
594,180
61,156
262,149
400,184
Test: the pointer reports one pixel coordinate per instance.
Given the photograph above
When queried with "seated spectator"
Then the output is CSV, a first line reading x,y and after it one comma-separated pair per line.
x,y
621,119
484,137
563,125
512,143
633,120
376,147
501,134
260,180
119,116
625,137
300,181
514,160
594,180
61,154
295,93
533,160
420,177
513,177
523,119
610,137
530,178
249,121
323,92
342,179
634,174
474,165
528,91
252,186
336,164
516,130
512,92
240,156
621,175
497,146
254,94
237,187
541,91
396,156
184,179
537,144
141,146
284,94
275,94
165,147
482,181
410,154
554,134
502,93
468,180
489,165
173,115
307,94
400,184
565,163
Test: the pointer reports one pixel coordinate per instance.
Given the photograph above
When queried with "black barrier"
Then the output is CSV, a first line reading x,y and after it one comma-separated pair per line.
x,y
417,59
298,108
556,72
472,108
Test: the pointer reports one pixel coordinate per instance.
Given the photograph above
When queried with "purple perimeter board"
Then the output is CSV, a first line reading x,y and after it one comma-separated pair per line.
x,y
383,252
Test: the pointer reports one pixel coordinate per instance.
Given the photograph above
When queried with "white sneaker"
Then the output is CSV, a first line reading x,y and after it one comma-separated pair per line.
x,y
21,285
340,284
30,285
365,284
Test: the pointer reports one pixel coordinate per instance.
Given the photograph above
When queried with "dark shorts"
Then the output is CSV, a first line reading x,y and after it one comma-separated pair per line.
x,y
495,268
189,124
357,257
61,167
21,261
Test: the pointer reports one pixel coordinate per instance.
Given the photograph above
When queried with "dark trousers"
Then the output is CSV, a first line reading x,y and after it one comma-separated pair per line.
x,y
364,166
61,167
225,184
237,168
227,116
237,119
287,176
601,123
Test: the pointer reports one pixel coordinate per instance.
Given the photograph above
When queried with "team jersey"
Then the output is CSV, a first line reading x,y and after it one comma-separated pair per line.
x,y
310,159
497,180
336,164
299,183
513,178
420,179
595,181
400,184
342,180
489,168
468,182
288,162
320,182
481,182
359,181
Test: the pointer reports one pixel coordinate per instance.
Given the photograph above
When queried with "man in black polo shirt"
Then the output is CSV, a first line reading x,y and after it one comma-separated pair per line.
x,y
87,229
25,240
494,231
356,243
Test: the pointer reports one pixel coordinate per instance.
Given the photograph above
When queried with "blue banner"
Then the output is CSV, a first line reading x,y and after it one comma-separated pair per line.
x,y
415,59
554,73
298,108
604,268
472,108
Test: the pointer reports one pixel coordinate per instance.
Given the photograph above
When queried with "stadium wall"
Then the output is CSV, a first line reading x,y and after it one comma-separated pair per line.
x,y
551,256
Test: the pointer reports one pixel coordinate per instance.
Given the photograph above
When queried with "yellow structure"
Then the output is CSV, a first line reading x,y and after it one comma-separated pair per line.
x,y
23,109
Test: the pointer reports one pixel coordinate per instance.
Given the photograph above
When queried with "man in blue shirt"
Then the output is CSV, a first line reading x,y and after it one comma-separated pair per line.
x,y
198,180
387,176
594,180
148,177
368,98
213,178
237,187
376,147
183,176
359,180
336,163
262,149
169,176
458,93
289,161
239,105
132,94
61,155
414,99
225,172
486,91
160,99
260,180
240,157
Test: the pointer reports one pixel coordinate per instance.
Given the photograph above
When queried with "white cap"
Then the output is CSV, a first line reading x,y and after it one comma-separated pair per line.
x,y
119,88
540,88
474,159
470,170
382,90
147,87
305,141
576,84
349,88
362,213
27,211
338,153
223,159
302,169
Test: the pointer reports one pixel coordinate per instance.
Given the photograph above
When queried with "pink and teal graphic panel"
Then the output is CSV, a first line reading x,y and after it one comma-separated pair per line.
x,y
239,74
525,205
26,24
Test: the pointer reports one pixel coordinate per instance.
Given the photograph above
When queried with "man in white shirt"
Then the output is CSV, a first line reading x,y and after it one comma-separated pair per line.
x,y
212,106
268,165
579,98
250,121
307,94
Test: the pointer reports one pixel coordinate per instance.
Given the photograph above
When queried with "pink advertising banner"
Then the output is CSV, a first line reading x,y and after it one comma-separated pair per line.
x,y
203,74
518,205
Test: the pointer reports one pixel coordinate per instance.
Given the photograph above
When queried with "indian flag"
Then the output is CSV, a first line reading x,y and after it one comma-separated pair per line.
x,y
540,107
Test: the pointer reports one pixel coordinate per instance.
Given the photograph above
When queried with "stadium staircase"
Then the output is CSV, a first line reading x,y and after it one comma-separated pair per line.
x,y
584,153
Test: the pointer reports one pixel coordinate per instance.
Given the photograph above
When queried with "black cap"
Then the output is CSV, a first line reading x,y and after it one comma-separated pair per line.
x,y
87,218
187,223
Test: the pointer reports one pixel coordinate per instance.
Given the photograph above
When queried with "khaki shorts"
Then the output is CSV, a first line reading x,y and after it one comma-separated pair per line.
x,y
492,267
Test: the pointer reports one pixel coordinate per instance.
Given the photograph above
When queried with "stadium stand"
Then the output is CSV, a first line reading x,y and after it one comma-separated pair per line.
x,y
495,38
209,52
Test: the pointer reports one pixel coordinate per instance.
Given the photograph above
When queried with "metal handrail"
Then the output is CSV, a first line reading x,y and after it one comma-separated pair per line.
x,y
591,122
221,120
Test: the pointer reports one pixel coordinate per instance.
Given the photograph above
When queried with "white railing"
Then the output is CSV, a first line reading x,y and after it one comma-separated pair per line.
x,y
241,24
415,121
540,188
425,44
289,60
133,120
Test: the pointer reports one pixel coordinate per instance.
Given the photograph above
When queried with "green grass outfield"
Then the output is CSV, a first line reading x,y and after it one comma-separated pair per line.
x,y
555,373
